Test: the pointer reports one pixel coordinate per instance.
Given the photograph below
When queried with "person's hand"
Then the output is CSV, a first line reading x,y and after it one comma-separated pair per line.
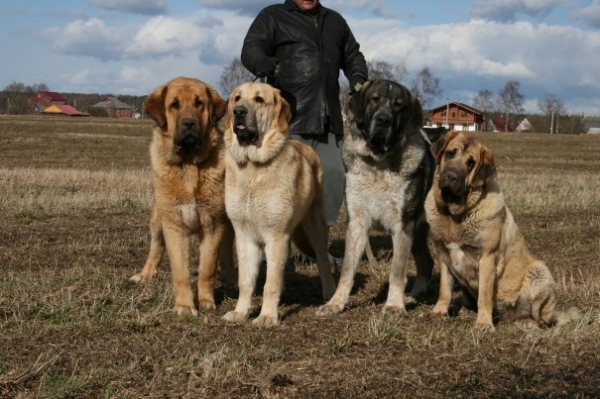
x,y
356,83
267,66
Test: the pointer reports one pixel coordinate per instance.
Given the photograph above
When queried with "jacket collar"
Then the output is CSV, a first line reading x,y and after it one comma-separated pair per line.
x,y
290,5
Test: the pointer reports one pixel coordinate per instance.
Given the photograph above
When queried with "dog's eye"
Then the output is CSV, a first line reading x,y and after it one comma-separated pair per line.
x,y
175,104
450,154
259,100
470,163
375,98
198,103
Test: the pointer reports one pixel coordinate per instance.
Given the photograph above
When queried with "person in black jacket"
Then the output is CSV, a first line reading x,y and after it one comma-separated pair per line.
x,y
300,47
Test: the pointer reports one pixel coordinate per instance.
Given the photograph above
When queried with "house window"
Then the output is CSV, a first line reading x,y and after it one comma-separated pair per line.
x,y
463,114
454,114
443,113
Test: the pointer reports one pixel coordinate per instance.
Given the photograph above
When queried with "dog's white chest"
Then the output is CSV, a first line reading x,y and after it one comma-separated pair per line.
x,y
383,196
189,214
464,265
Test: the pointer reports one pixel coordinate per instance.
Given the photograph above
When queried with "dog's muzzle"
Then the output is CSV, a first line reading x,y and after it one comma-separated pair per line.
x,y
452,185
244,135
187,139
380,132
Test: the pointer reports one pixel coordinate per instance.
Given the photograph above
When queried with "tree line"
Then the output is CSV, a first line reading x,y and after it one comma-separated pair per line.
x,y
508,103
16,99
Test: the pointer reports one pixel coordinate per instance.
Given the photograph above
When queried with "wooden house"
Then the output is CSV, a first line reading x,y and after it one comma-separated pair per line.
x,y
456,116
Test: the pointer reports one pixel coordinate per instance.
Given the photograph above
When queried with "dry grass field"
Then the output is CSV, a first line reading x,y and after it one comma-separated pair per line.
x,y
74,208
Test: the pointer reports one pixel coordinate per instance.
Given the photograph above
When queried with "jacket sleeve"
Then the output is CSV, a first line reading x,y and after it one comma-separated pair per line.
x,y
354,60
258,42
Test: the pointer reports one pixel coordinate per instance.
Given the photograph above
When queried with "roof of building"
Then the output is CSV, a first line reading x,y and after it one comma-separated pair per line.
x,y
500,125
50,95
112,102
58,109
458,105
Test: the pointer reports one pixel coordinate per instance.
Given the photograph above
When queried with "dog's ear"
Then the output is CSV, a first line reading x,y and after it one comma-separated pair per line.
x,y
438,146
154,106
284,114
219,105
416,112
485,168
356,104
229,109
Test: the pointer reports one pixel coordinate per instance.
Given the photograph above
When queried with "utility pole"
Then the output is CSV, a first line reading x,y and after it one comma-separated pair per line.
x,y
447,112
552,122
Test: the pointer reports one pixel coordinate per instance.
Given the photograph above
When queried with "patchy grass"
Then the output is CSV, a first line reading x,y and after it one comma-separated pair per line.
x,y
74,209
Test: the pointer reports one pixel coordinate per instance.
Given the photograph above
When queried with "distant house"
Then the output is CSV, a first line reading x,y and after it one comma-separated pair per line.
x,y
61,110
524,126
112,107
456,116
499,124
42,99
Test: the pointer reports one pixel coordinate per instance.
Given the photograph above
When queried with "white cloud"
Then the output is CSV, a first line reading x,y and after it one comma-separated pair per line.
x,y
165,36
90,37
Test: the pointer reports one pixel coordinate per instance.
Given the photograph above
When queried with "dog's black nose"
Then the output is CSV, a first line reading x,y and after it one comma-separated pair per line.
x,y
451,177
383,120
240,110
189,123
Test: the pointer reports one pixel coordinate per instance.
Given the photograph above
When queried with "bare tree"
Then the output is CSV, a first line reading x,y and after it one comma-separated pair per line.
x,y
484,101
510,101
552,106
426,87
384,70
18,87
232,76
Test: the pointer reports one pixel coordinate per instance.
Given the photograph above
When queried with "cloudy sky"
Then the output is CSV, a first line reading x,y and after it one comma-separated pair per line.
x,y
132,46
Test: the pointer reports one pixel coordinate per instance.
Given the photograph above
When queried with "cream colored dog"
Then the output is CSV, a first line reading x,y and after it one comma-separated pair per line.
x,y
273,193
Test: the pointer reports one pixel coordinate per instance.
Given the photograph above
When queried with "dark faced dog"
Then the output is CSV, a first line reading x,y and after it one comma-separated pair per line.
x,y
389,172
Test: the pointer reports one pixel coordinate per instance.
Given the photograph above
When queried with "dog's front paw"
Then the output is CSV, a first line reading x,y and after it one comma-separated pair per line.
x,y
183,310
394,310
485,327
140,278
330,309
419,287
266,321
440,310
207,304
235,317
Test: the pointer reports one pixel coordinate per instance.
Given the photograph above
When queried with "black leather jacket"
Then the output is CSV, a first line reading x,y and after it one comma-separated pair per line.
x,y
311,50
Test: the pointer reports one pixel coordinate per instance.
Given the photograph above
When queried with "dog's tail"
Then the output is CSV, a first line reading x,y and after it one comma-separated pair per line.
x,y
564,317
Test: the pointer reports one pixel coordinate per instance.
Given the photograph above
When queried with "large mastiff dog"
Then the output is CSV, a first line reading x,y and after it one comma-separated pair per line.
x,y
389,171
187,156
274,192
478,242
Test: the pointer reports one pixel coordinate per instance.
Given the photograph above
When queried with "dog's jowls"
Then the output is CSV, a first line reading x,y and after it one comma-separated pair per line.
x,y
274,193
388,173
189,183
478,242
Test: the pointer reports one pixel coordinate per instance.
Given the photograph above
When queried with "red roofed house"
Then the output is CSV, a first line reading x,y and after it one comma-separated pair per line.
x,y
42,99
62,110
